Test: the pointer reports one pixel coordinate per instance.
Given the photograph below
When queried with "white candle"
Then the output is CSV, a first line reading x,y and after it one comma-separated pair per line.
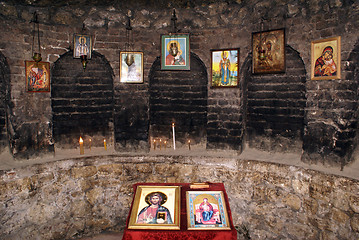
x,y
174,138
81,141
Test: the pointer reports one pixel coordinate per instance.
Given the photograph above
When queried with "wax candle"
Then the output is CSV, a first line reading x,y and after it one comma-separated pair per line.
x,y
154,144
90,143
165,144
104,144
81,141
173,134
160,143
189,144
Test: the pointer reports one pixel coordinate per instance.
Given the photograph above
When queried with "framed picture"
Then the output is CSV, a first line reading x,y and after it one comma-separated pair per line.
x,y
175,52
82,46
268,51
156,207
325,59
207,210
37,76
131,67
224,70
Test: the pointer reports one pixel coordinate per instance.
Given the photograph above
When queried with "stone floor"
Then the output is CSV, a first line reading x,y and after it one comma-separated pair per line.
x,y
105,236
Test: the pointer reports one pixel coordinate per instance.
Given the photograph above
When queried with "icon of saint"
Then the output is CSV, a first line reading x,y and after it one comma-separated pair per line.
x,y
174,56
155,213
325,65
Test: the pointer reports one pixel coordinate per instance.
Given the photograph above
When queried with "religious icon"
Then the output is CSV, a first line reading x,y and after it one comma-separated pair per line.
x,y
155,213
131,67
82,46
156,207
225,67
207,210
175,52
174,56
268,51
325,61
37,76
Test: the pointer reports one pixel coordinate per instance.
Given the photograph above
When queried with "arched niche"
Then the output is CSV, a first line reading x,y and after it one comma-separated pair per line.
x,y
179,97
4,100
332,119
353,63
82,100
275,105
350,133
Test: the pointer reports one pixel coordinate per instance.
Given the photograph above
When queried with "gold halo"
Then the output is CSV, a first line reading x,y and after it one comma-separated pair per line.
x,y
164,197
174,41
82,37
224,52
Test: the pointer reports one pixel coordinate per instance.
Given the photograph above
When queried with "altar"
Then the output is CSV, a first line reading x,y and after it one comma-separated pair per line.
x,y
196,227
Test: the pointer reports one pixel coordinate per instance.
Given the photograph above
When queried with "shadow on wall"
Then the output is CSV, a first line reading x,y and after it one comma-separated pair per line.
x,y
180,99
4,100
82,100
332,119
275,106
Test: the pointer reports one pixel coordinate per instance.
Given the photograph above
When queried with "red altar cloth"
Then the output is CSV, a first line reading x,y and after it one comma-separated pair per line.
x,y
183,233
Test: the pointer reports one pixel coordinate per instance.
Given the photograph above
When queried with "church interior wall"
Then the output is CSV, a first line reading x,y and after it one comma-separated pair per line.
x,y
281,113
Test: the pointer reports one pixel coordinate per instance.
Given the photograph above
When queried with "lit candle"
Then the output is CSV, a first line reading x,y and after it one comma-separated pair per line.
x,y
160,143
165,142
90,143
104,144
189,144
173,134
154,144
81,146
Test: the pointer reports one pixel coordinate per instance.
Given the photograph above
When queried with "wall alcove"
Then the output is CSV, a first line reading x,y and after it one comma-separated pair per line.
x,y
332,118
275,106
4,92
179,97
354,65
82,100
352,68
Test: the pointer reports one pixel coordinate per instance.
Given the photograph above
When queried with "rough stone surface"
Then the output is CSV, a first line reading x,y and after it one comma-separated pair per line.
x,y
74,198
354,223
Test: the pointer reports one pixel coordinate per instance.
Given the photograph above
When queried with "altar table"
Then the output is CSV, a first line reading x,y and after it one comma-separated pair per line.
x,y
183,233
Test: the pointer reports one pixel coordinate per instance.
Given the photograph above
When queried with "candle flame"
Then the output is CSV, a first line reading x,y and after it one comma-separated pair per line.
x,y
81,140
173,124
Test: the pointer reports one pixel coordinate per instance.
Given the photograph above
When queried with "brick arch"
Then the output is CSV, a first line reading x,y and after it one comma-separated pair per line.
x,y
275,105
4,100
354,75
180,97
82,100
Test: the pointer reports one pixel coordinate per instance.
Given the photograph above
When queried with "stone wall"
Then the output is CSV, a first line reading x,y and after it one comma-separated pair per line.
x,y
216,25
330,120
5,87
181,99
82,101
72,198
275,109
